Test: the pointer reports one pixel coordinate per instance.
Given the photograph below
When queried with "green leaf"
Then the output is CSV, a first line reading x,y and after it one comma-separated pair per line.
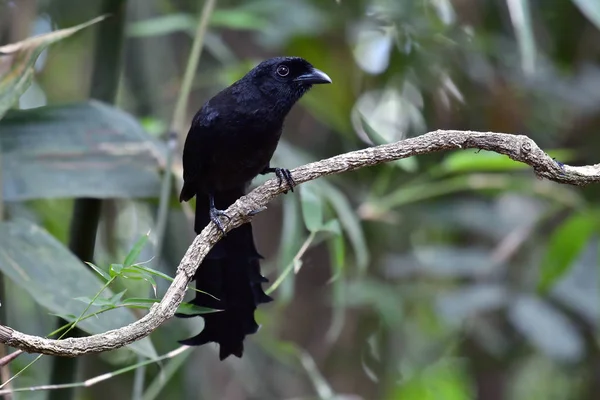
x,y
166,277
470,161
332,226
565,244
521,20
53,276
153,272
190,309
80,150
337,252
330,229
136,273
184,308
591,9
345,213
290,243
135,251
139,302
351,224
162,25
173,23
488,183
312,208
467,161
66,317
99,271
115,269
117,297
446,379
100,301
238,19
17,62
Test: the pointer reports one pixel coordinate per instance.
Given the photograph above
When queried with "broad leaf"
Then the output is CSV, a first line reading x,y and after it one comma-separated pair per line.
x,y
591,9
312,208
80,150
546,328
55,278
17,61
566,243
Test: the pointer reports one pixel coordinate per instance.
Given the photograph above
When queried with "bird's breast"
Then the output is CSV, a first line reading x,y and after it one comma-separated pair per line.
x,y
241,154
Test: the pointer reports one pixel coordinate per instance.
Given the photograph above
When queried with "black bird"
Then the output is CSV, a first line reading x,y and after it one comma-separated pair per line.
x,y
231,140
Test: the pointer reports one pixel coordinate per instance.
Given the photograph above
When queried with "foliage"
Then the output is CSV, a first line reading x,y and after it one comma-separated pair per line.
x,y
448,276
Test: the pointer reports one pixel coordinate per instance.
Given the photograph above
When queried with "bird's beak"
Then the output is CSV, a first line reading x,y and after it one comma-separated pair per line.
x,y
315,76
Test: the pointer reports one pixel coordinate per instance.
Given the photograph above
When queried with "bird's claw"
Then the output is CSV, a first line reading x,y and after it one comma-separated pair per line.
x,y
562,165
215,217
256,211
285,174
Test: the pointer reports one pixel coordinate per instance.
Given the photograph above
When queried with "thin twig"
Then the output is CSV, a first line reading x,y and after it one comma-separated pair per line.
x,y
518,147
5,371
177,129
293,264
179,120
99,378
7,359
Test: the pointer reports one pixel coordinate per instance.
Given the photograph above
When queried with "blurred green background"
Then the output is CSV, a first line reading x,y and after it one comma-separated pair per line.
x,y
448,276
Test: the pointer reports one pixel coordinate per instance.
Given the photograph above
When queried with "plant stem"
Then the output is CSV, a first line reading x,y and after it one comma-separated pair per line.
x,y
178,122
177,354
176,135
179,115
86,211
4,369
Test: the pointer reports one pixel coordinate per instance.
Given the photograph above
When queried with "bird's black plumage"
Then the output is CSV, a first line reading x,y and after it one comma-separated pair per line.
x,y
231,140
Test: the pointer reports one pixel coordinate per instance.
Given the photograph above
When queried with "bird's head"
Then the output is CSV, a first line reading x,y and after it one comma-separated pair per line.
x,y
286,79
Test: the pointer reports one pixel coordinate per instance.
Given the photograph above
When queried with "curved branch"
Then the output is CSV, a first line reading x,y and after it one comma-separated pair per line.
x,y
518,147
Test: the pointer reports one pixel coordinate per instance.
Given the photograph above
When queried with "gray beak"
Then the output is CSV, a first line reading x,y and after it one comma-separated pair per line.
x,y
315,76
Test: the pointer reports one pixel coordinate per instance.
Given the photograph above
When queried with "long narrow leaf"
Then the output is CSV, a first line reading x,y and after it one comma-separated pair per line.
x,y
17,62
135,251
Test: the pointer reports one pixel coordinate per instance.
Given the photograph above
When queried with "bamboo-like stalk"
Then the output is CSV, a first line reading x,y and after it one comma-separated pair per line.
x,y
86,212
176,132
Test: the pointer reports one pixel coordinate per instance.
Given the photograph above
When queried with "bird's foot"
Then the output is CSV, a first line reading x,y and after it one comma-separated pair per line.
x,y
282,174
256,211
562,165
215,216
285,174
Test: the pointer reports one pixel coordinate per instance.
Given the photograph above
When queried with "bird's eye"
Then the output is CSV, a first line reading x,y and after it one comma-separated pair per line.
x,y
282,70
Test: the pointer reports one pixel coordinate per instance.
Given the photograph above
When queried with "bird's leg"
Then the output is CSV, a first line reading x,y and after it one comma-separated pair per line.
x,y
215,214
282,174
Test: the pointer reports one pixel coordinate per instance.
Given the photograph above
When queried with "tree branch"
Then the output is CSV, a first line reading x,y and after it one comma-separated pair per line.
x,y
518,147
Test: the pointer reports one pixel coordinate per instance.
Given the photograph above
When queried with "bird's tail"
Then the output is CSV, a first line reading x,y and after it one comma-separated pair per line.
x,y
230,275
